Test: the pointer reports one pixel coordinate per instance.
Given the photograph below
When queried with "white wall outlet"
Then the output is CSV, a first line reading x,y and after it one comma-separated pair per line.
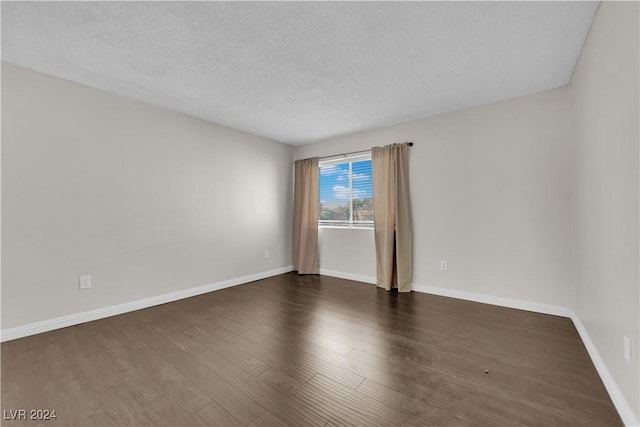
x,y
84,282
444,265
266,253
627,349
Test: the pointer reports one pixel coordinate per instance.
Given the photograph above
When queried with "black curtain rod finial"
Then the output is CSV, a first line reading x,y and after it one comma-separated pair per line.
x,y
410,144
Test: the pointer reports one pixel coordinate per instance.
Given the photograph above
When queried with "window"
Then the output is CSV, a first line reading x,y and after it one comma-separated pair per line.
x,y
346,192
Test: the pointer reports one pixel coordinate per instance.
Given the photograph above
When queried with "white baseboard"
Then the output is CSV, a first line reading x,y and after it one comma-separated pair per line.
x,y
348,276
617,397
627,414
88,316
535,307
469,296
629,418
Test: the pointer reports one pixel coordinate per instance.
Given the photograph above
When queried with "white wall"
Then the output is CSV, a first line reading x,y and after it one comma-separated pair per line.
x,y
144,200
604,92
491,195
332,246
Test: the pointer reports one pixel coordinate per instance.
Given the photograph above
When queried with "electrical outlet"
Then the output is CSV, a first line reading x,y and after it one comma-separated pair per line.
x,y
627,349
84,282
266,253
444,265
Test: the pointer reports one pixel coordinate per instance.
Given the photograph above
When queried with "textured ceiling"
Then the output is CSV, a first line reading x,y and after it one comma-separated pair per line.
x,y
299,72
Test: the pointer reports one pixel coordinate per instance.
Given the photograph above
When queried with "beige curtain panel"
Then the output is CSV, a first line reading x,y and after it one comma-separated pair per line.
x,y
392,216
306,204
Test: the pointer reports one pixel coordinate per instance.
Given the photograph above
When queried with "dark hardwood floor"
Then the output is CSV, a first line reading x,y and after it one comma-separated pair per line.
x,y
309,350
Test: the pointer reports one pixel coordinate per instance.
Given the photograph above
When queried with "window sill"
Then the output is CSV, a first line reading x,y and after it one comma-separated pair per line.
x,y
343,227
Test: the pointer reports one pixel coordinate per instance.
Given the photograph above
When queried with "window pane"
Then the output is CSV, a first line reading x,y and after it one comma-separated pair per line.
x,y
362,191
346,193
334,192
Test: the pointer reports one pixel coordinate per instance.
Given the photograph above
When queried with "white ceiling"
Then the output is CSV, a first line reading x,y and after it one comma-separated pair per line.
x,y
299,72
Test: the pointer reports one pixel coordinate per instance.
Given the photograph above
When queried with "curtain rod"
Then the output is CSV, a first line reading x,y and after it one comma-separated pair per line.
x,y
409,143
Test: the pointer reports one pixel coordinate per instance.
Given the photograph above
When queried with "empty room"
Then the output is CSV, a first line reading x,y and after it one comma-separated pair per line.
x,y
320,213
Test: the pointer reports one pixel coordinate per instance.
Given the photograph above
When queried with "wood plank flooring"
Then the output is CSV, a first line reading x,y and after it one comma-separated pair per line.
x,y
309,351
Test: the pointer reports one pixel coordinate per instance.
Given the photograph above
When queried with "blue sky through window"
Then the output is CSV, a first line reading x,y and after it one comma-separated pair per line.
x,y
334,182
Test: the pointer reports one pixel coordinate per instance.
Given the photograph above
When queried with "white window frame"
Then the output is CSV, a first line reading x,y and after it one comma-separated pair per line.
x,y
327,223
